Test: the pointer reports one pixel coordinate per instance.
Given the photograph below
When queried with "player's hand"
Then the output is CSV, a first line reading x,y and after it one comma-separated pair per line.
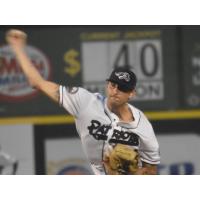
x,y
16,38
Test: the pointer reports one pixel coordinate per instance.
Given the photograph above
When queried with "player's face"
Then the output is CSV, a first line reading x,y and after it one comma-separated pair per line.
x,y
117,97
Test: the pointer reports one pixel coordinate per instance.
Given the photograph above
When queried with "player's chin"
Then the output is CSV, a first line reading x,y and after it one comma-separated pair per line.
x,y
116,102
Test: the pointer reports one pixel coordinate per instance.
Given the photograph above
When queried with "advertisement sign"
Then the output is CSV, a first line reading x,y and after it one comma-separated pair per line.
x,y
13,83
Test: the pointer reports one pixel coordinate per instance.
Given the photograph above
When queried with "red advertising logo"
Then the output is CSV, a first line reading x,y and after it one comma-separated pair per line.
x,y
13,83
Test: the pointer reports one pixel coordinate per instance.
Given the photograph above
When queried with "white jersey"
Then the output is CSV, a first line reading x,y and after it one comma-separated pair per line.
x,y
99,128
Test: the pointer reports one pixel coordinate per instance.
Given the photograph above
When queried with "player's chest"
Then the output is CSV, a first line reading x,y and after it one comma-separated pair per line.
x,y
102,126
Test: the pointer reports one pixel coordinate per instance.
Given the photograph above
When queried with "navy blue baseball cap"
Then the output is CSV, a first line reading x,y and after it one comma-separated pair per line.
x,y
124,78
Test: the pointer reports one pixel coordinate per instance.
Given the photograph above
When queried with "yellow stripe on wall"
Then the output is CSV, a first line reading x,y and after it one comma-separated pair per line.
x,y
61,119
170,115
68,119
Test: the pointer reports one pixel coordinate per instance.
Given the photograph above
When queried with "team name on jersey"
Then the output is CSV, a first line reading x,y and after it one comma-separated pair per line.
x,y
100,132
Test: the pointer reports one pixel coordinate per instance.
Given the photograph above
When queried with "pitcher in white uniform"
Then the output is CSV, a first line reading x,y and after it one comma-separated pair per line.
x,y
101,122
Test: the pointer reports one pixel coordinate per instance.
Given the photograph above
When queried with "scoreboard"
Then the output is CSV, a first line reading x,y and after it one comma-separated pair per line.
x,y
143,51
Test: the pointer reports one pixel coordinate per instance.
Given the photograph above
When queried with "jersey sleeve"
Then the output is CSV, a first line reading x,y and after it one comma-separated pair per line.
x,y
149,147
74,99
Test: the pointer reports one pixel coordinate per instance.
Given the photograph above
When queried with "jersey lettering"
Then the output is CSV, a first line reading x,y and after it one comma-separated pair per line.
x,y
99,132
124,137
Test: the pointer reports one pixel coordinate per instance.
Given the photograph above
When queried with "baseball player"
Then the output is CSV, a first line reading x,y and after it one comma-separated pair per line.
x,y
104,124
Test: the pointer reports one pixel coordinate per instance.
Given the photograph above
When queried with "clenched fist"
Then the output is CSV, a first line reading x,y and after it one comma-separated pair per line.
x,y
16,38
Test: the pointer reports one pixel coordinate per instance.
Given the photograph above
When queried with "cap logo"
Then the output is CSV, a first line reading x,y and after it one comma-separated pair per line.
x,y
123,75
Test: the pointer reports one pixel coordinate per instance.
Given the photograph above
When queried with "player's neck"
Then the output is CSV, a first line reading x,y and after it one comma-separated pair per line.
x,y
122,111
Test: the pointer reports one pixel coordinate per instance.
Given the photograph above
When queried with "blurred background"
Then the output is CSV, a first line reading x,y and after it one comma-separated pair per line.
x,y
39,137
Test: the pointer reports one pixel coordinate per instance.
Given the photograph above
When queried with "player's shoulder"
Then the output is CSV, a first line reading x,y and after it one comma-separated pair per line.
x,y
75,89
140,114
95,95
82,92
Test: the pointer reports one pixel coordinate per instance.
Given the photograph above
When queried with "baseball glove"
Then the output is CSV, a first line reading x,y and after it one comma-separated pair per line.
x,y
121,160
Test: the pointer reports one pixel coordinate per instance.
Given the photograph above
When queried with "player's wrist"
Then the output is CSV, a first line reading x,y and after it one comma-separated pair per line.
x,y
141,171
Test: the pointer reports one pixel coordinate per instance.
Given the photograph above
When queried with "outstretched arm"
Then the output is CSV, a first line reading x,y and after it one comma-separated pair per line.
x,y
17,40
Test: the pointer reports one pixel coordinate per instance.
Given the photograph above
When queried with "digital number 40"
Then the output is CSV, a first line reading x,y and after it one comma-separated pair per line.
x,y
148,69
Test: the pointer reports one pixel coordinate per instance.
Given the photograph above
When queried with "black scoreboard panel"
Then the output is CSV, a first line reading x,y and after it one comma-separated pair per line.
x,y
191,66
